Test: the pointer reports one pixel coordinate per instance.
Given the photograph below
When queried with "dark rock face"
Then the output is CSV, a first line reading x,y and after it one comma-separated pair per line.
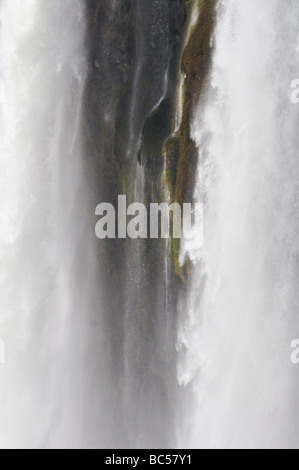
x,y
180,150
134,49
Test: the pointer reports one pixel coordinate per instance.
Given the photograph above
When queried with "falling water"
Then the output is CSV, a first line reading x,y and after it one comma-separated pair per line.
x,y
85,368
242,307
46,264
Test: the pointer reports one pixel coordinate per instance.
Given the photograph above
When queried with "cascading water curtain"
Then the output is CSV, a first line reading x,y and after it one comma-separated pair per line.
x,y
242,305
78,368
46,266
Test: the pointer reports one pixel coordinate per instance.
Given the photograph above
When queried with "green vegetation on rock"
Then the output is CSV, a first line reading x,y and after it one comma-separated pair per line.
x,y
180,152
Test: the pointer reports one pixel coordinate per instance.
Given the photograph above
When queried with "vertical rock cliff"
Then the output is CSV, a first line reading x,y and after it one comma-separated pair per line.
x,y
139,52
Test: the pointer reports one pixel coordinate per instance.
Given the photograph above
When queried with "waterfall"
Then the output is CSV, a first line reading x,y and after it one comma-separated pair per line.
x,y
46,252
108,343
241,311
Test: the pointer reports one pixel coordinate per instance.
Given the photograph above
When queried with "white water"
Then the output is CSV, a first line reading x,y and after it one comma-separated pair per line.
x,y
242,305
46,267
242,308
